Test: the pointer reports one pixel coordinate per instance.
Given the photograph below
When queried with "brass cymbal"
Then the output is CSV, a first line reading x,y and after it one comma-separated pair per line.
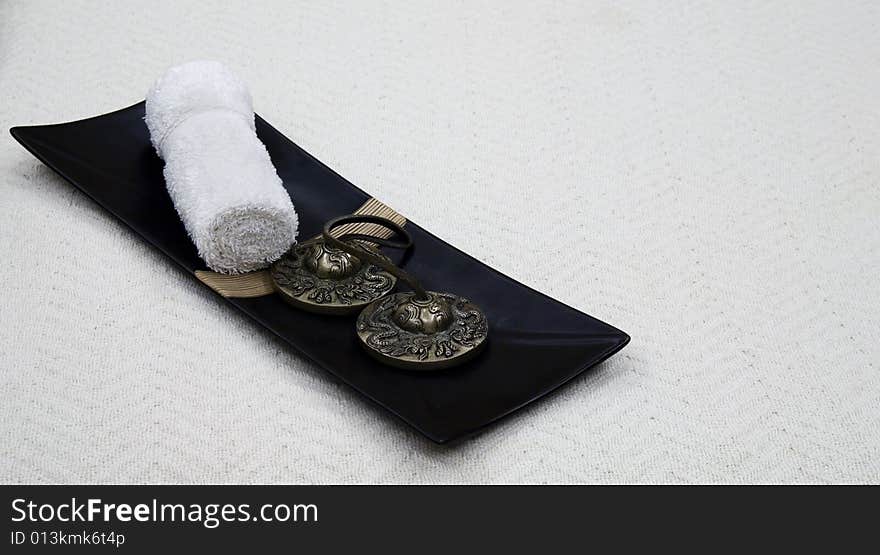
x,y
436,332
319,278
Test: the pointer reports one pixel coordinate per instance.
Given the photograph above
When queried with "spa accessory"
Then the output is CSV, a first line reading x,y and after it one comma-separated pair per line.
x,y
218,173
537,343
415,330
319,277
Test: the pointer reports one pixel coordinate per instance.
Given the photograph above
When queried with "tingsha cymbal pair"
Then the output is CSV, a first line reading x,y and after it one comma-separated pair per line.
x,y
413,330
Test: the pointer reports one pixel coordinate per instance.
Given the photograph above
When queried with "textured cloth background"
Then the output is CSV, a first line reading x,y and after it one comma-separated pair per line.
x,y
710,169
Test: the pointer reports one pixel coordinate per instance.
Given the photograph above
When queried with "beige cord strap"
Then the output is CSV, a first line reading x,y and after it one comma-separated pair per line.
x,y
259,283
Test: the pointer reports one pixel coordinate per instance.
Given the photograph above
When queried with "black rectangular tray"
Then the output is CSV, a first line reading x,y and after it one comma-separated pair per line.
x,y
535,343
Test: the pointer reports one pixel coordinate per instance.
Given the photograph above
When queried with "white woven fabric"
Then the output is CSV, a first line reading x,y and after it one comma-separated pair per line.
x,y
711,170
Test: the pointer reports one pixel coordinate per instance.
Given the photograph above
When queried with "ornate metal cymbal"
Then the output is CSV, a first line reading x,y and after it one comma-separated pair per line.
x,y
319,278
418,330
407,331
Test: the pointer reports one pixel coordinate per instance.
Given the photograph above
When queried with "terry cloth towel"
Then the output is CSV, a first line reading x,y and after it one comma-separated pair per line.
x,y
218,173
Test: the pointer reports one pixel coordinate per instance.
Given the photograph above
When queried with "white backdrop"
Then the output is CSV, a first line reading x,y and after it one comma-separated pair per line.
x,y
713,167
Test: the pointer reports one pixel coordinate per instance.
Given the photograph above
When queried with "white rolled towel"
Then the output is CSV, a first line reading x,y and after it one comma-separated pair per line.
x,y
218,173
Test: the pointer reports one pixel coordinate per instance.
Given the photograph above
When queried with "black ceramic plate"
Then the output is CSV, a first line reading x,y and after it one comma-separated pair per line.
x,y
535,343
